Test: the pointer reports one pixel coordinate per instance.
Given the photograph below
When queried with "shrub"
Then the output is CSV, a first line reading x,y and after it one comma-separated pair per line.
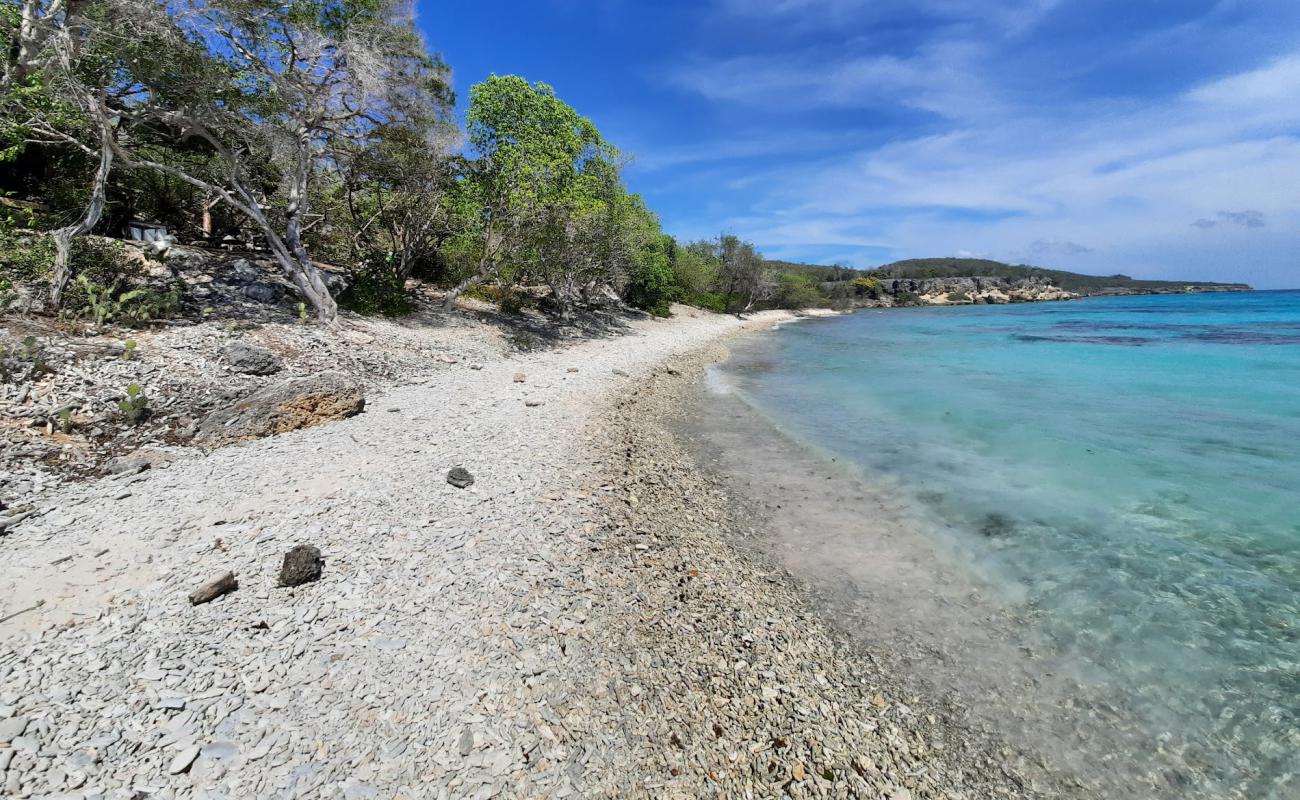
x,y
507,299
134,307
650,287
135,406
26,257
958,297
709,301
377,291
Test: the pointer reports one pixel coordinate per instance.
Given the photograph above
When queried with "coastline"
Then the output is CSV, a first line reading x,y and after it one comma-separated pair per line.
x,y
576,623
879,569
682,523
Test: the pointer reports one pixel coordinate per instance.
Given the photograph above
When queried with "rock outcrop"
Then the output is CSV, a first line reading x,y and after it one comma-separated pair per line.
x,y
965,291
285,406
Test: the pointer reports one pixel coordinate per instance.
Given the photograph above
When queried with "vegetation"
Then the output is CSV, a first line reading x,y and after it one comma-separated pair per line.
x,y
322,129
135,406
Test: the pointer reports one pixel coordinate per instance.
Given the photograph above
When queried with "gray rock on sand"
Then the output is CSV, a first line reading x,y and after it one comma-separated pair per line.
x,y
12,728
285,406
251,359
302,564
460,478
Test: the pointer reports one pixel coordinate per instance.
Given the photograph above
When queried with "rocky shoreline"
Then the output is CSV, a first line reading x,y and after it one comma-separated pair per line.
x,y
574,622
788,706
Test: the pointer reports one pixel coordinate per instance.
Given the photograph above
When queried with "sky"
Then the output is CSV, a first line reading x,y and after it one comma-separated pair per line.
x,y
1154,138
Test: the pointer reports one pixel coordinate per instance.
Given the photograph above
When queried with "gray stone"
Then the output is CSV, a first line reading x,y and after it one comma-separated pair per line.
x,y
460,478
128,465
250,359
12,728
301,565
182,760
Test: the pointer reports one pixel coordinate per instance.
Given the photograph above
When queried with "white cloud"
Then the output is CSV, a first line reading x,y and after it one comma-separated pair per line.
x,y
1029,182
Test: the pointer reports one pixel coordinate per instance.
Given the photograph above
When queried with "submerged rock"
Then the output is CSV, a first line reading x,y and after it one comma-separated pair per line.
x,y
286,406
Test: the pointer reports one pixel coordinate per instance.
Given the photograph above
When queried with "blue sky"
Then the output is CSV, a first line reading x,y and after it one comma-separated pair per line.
x,y
1159,138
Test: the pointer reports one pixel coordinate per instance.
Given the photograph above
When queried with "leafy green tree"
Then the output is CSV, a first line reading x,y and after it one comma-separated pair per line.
x,y
532,149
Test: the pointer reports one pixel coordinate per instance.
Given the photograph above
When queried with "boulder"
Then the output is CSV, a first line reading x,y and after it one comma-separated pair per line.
x,y
281,407
251,359
460,478
301,565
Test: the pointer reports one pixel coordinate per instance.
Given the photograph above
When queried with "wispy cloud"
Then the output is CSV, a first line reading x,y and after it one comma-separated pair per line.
x,y
1246,219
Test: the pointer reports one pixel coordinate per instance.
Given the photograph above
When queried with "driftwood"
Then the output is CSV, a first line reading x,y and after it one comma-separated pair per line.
x,y
222,584
21,611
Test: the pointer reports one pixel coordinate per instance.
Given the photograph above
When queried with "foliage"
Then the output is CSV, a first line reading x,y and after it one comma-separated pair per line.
x,y
128,350
135,406
958,297
132,307
375,290
921,268
650,286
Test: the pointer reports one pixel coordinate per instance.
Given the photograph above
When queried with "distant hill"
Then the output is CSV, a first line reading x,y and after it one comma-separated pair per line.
x,y
921,268
959,281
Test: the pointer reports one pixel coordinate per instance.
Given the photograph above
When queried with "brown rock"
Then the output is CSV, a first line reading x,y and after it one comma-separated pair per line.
x,y
285,406
520,377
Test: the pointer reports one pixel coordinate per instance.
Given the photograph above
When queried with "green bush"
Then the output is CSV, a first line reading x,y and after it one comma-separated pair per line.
x,y
376,291
507,299
958,297
105,304
135,406
651,285
103,264
709,301
26,257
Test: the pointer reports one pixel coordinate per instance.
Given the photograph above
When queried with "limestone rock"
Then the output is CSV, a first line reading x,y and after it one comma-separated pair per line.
x,y
286,406
262,292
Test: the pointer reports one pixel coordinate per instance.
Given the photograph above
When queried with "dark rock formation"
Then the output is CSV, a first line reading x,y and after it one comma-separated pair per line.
x,y
302,564
251,359
460,478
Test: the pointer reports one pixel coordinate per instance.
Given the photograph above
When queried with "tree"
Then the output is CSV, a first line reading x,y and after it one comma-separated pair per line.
x,y
266,81
532,149
398,196
55,91
742,277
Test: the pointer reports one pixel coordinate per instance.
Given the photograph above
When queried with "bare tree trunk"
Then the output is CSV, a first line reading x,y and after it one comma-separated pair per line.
x,y
487,264
205,223
298,265
449,302
94,210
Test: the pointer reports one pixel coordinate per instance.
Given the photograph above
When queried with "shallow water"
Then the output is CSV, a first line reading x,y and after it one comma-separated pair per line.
x,y
1121,473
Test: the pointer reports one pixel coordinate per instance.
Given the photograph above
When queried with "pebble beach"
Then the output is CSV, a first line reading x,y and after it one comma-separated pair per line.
x,y
577,621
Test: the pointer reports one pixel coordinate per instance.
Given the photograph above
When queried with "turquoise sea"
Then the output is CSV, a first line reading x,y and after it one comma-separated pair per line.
x,y
1125,471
